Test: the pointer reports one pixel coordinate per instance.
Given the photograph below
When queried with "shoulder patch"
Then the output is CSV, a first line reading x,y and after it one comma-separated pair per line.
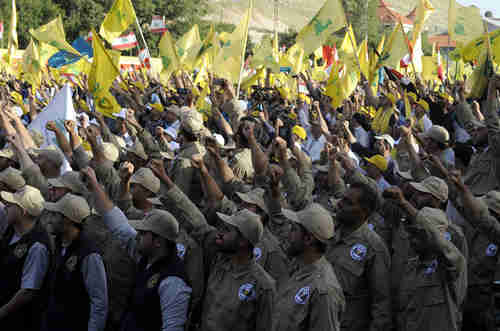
x,y
432,268
153,280
181,251
447,236
371,226
491,250
247,292
71,263
20,250
358,252
257,253
302,295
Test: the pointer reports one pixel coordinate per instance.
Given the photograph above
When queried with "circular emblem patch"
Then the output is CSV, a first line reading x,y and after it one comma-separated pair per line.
x,y
20,250
71,263
303,295
257,253
153,280
371,227
358,252
181,251
491,250
447,236
431,268
246,292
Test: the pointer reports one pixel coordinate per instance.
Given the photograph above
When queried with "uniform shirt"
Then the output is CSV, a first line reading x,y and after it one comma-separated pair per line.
x,y
173,291
311,299
35,266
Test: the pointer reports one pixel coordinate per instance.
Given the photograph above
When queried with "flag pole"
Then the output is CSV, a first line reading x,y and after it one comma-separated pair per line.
x,y
250,7
355,52
408,46
142,36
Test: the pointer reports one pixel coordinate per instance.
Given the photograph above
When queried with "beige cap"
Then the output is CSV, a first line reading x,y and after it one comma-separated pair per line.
x,y
191,123
492,200
254,197
29,198
315,219
52,154
72,206
70,180
13,178
433,217
159,222
110,151
146,178
248,224
437,133
174,109
138,149
433,185
37,137
7,153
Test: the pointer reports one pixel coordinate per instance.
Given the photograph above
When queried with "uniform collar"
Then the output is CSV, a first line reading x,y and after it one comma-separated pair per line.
x,y
352,237
306,270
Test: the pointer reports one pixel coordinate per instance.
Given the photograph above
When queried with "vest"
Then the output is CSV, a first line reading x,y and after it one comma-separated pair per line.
x,y
144,311
69,302
12,259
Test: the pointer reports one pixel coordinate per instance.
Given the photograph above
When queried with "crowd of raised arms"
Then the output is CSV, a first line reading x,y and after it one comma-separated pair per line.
x,y
269,212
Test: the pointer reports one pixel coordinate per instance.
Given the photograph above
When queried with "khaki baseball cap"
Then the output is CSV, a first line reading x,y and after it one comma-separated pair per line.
x,y
138,149
37,137
7,153
52,154
29,198
433,185
192,123
432,217
72,206
315,219
437,133
492,201
70,180
248,224
254,197
146,178
159,222
13,178
110,151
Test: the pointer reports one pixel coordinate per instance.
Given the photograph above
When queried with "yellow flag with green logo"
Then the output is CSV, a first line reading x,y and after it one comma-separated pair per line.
x,y
12,44
328,19
209,49
31,64
46,51
263,55
464,23
364,61
53,34
349,45
473,49
117,20
168,54
429,68
295,57
188,47
398,48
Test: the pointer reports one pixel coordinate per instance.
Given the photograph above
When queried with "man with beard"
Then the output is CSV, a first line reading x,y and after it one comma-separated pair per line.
x,y
312,298
78,287
361,261
161,295
239,292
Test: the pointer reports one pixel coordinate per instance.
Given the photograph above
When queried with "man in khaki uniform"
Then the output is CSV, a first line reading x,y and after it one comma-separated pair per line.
x,y
11,180
312,298
239,294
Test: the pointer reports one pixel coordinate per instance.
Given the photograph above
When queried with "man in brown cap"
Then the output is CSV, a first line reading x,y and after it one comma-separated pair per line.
x,y
312,298
239,293
24,259
78,293
161,295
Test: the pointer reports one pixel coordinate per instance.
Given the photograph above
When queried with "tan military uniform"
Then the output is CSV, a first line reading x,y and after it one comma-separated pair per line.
x,y
362,264
183,174
34,177
298,189
242,165
311,299
270,256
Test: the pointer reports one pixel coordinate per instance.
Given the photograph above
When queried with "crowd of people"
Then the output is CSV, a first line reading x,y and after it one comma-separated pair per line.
x,y
268,212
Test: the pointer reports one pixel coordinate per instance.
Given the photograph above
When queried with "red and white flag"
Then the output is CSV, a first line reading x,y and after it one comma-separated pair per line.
x,y
145,58
125,42
440,66
158,24
1,30
88,38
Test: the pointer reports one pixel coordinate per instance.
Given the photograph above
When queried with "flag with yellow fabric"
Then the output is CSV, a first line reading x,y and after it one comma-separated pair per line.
x,y
53,34
31,65
263,55
328,19
227,63
430,69
295,57
209,48
342,83
473,49
464,23
168,55
117,20
424,11
399,48
348,45
188,47
46,51
364,61
102,74
12,44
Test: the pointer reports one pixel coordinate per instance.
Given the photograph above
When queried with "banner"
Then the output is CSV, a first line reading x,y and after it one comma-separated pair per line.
x,y
125,42
158,24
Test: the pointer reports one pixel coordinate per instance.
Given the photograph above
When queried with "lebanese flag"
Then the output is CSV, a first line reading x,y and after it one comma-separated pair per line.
x,y
328,55
1,30
406,60
440,66
145,58
88,38
125,42
158,24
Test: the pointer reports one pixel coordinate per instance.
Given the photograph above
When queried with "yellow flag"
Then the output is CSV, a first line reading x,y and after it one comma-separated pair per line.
x,y
473,49
53,34
263,55
202,75
364,61
342,83
398,49
46,51
102,74
407,106
295,56
328,19
31,65
168,54
209,49
424,10
429,69
349,43
117,20
202,105
464,23
228,61
188,47
106,104
12,45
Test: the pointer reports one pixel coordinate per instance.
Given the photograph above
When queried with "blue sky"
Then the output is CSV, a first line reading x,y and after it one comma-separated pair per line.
x,y
493,5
